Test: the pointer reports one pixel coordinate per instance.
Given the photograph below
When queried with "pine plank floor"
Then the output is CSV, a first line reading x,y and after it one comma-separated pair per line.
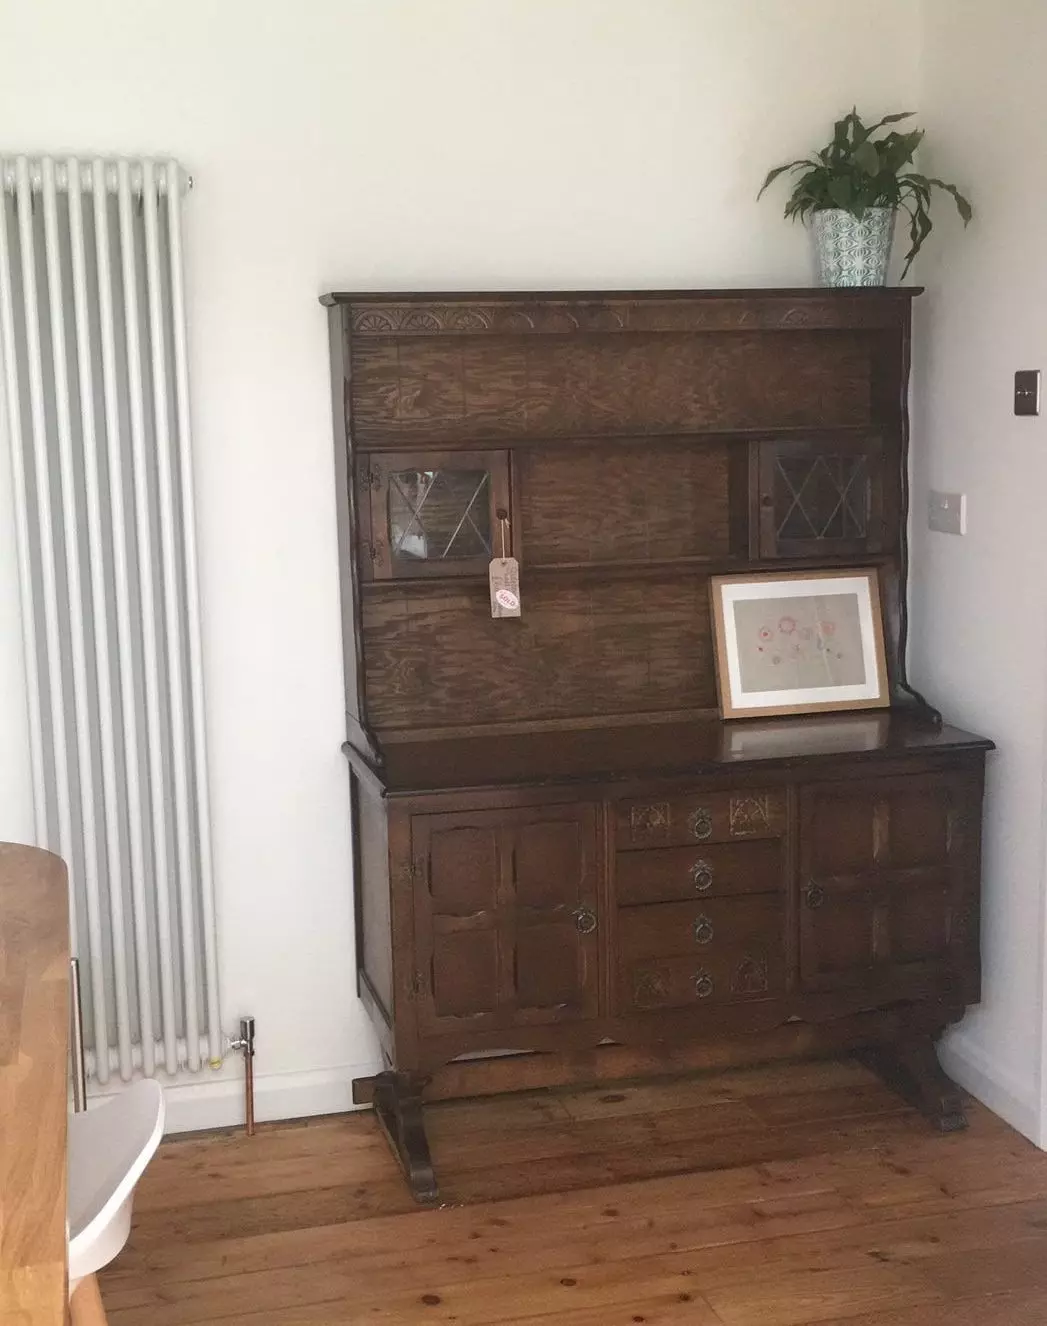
x,y
768,1197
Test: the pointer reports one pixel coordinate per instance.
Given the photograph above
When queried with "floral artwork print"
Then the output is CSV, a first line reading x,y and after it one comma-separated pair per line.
x,y
798,643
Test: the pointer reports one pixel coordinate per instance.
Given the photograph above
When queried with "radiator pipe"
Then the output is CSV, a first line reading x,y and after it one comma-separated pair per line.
x,y
245,1043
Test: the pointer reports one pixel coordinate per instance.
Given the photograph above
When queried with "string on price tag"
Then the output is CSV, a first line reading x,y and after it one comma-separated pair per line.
x,y
504,576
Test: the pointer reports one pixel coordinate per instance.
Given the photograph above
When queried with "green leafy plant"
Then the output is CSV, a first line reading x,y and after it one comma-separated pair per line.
x,y
855,172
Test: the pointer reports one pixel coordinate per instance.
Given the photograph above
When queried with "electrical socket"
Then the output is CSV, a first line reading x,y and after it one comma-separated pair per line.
x,y
1027,391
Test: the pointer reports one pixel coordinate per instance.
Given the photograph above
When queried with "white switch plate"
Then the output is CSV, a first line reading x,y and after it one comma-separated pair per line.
x,y
947,512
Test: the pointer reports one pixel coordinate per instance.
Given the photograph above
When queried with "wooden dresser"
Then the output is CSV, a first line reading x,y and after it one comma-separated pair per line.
x,y
561,851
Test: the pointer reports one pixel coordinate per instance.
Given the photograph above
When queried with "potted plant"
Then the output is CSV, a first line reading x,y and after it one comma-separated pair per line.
x,y
851,192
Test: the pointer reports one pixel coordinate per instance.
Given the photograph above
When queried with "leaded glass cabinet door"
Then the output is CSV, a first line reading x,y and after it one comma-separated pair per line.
x,y
434,513
821,497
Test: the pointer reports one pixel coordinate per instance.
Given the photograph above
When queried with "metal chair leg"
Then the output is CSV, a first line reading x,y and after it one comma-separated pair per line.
x,y
76,1038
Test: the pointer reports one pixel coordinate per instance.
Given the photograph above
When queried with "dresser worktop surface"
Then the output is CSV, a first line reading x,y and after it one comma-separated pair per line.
x,y
34,1048
659,749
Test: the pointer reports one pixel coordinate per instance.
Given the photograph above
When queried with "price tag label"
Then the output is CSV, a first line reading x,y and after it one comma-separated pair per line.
x,y
504,576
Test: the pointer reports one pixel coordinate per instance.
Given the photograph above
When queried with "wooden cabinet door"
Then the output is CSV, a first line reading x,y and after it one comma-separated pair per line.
x,y
821,497
505,917
432,513
888,871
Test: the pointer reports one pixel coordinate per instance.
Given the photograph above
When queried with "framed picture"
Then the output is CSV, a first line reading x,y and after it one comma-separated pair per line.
x,y
798,643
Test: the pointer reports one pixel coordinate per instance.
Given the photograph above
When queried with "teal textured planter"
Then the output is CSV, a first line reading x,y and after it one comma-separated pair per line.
x,y
852,252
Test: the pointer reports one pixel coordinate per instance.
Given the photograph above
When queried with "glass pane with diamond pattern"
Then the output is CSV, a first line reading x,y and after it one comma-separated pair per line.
x,y
439,515
821,497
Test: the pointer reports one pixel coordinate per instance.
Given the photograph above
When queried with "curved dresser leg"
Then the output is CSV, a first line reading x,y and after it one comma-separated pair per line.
x,y
398,1109
911,1068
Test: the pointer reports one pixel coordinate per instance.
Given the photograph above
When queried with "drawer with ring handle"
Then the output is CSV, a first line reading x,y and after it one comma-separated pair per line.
x,y
699,817
730,978
713,870
584,920
708,927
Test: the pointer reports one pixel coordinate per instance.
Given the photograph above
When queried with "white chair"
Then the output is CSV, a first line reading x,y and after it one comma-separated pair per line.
x,y
109,1148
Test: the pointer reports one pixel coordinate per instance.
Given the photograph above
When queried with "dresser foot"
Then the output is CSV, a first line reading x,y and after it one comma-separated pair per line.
x,y
398,1109
911,1068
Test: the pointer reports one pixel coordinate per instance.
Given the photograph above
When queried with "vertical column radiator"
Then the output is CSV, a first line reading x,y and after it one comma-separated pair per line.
x,y
95,397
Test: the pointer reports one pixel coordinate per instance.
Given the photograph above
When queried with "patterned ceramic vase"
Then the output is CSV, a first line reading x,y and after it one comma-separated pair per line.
x,y
853,252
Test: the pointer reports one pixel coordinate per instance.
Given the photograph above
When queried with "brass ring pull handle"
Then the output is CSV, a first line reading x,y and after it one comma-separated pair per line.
x,y
814,896
701,823
702,876
703,930
585,920
703,984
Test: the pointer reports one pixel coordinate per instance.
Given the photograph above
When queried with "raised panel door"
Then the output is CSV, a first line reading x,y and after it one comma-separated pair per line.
x,y
882,882
505,917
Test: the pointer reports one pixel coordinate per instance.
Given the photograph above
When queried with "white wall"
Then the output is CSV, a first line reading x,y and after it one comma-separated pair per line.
x,y
980,602
402,143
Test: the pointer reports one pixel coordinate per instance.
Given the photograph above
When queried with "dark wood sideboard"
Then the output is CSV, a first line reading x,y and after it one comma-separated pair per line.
x,y
561,851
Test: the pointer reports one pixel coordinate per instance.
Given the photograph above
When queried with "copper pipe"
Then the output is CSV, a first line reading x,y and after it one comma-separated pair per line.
x,y
249,1092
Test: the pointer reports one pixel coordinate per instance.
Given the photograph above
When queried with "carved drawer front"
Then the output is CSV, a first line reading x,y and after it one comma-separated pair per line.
x,y
668,874
732,977
699,817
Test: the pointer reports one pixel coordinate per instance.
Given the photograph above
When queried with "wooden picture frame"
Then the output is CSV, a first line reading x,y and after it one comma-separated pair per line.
x,y
799,642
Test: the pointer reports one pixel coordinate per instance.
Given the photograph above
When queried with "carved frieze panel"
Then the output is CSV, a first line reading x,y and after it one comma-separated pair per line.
x,y
612,315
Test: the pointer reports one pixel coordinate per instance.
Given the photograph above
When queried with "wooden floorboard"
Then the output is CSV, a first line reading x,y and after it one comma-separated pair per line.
x,y
782,1196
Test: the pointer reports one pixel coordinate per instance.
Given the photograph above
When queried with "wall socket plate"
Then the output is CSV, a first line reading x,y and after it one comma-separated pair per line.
x,y
1027,391
947,512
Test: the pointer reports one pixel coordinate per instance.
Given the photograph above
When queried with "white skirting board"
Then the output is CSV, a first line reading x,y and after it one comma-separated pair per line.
x,y
1014,1100
218,1101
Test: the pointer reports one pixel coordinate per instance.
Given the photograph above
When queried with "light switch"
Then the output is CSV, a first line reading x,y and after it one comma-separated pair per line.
x,y
947,512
